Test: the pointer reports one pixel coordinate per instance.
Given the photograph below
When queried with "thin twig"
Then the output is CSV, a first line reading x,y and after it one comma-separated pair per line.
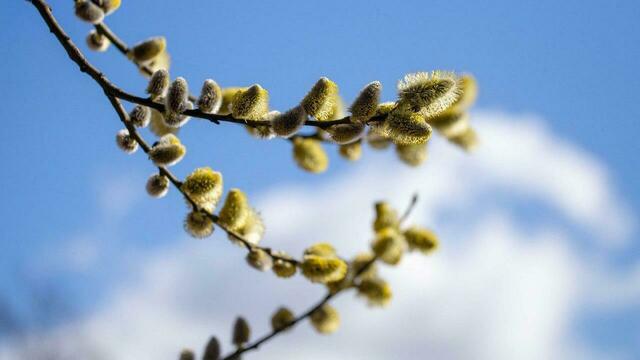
x,y
113,93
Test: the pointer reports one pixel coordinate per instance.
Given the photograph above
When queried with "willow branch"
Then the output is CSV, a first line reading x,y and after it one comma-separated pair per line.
x,y
327,298
113,93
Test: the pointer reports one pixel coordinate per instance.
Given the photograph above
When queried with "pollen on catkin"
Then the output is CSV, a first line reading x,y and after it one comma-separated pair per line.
x,y
282,268
289,122
212,350
250,104
320,249
140,116
421,239
87,11
126,142
388,245
177,96
429,93
210,97
198,224
227,98
351,152
403,126
241,332
259,259
235,211
412,154
168,151
309,155
204,187
157,185
376,291
366,104
251,231
97,41
157,125
450,123
158,84
346,133
325,320
386,216
323,269
320,102
281,319
148,49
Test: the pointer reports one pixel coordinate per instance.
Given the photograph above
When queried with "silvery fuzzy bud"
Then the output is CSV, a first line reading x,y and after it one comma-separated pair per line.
x,y
290,122
176,100
210,97
140,116
177,120
157,185
321,100
97,41
158,84
126,142
88,11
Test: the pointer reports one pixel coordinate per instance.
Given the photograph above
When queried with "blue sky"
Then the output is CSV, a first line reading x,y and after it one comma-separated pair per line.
x,y
571,66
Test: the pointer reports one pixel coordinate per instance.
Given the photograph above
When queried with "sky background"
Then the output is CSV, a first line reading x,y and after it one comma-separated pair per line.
x,y
540,256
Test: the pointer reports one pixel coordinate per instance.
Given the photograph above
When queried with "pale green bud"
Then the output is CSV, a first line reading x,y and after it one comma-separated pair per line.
x,y
389,246
283,269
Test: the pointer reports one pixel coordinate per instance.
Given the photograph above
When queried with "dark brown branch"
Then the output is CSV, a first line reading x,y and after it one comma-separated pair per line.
x,y
113,93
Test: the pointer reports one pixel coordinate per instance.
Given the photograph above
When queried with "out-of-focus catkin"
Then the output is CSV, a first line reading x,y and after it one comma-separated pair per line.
x,y
281,319
241,332
148,49
212,350
389,246
351,152
325,320
198,224
309,155
346,133
412,154
87,11
421,239
157,185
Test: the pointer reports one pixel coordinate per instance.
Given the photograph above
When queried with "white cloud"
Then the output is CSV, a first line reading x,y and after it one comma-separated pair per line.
x,y
500,288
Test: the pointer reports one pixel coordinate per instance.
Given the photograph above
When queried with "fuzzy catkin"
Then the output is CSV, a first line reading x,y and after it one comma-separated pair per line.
x,y
241,332
168,151
412,154
212,350
352,151
406,127
148,49
210,97
158,84
126,142
198,224
366,104
87,11
325,320
140,116
290,122
250,104
309,155
321,100
429,93
157,185
281,319
177,96
97,42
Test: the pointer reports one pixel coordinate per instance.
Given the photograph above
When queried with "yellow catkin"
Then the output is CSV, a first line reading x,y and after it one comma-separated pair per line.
x,y
282,268
228,94
429,93
421,239
450,123
468,93
351,152
109,6
250,104
148,49
468,140
309,155
168,151
403,126
177,96
281,318
251,231
323,269
376,291
259,259
210,98
160,62
235,211
241,332
320,249
386,216
157,125
97,41
325,320
366,104
321,101
198,224
413,154
204,187
359,262
376,140
288,123
389,246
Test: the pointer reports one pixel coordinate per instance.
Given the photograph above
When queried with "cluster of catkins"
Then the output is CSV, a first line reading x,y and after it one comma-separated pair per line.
x,y
321,264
